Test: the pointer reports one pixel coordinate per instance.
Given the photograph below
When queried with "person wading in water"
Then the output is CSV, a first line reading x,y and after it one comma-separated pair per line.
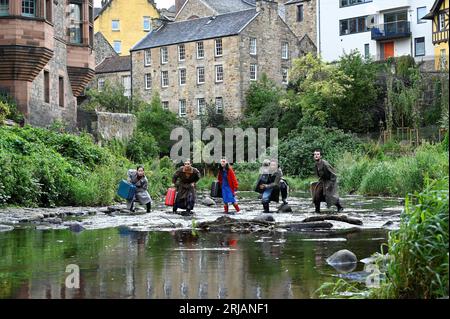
x,y
138,179
228,182
184,179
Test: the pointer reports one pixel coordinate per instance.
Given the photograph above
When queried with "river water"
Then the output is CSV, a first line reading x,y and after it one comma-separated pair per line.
x,y
122,261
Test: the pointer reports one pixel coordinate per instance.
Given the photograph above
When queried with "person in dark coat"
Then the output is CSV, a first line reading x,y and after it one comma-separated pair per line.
x,y
138,179
184,179
229,184
325,190
269,183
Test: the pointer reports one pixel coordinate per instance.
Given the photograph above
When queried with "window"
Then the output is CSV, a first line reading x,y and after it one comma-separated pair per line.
x,y
164,79
165,105
253,72
353,25
219,105
100,84
182,76
253,46
117,46
300,13
126,82
218,47
367,50
200,75
285,50
4,7
148,81
201,104
182,107
442,21
29,8
147,57
46,87
181,52
76,23
346,3
219,73
115,25
61,91
419,46
147,23
285,75
164,55
421,12
200,50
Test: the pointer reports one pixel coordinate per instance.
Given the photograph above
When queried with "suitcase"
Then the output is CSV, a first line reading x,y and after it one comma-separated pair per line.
x,y
216,190
126,190
170,196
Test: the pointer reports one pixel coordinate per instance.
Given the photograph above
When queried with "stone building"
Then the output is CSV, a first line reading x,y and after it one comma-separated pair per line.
x,y
103,48
115,70
301,16
213,60
46,56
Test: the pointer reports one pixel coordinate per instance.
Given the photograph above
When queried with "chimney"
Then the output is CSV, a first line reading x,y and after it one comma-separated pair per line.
x,y
178,5
266,5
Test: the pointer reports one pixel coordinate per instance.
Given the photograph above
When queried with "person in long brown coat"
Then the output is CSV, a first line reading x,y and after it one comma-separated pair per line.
x,y
325,190
184,179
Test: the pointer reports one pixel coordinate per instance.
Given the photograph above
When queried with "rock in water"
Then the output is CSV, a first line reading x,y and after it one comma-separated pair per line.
x,y
76,228
207,201
5,228
285,208
342,257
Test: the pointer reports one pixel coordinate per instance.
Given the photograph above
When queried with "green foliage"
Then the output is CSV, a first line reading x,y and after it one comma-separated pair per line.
x,y
4,112
420,264
296,151
142,147
154,121
341,289
112,99
9,109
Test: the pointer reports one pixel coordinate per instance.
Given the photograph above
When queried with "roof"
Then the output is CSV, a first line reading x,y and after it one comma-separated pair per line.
x,y
436,6
295,1
227,6
114,64
96,12
197,29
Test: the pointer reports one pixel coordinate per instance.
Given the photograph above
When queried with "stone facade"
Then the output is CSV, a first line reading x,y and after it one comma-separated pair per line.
x,y
102,48
306,27
114,77
270,32
194,9
115,126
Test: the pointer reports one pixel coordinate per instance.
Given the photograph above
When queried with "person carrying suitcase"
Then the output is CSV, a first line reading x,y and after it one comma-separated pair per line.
x,y
229,184
138,179
184,179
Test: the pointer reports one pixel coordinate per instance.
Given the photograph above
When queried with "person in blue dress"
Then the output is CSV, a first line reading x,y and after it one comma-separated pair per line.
x,y
229,184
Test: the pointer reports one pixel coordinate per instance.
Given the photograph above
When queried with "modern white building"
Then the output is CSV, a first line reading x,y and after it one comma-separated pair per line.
x,y
377,28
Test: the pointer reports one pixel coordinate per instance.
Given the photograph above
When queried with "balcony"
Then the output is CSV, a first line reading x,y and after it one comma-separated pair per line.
x,y
391,30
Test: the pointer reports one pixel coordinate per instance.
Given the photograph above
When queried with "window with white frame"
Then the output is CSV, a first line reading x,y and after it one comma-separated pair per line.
x,y
182,107
253,49
126,82
219,105
181,52
285,75
442,21
219,73
164,79
100,84
29,8
147,23
218,47
253,72
201,105
200,75
148,57
182,73
419,44
367,50
421,12
200,50
115,25
4,7
148,81
165,105
285,50
164,55
117,46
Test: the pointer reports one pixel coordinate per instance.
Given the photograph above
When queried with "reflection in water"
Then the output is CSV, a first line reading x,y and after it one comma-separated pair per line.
x,y
118,263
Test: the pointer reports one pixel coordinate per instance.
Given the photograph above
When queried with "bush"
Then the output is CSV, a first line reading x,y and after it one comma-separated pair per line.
x,y
142,147
4,112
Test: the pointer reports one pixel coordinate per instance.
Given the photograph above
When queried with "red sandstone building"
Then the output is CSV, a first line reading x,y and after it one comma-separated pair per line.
x,y
46,56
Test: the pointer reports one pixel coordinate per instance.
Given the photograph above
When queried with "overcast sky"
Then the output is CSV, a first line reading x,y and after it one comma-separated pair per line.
x,y
160,3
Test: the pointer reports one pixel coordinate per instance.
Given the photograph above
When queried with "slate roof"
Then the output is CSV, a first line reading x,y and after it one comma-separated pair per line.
x,y
114,64
197,29
221,6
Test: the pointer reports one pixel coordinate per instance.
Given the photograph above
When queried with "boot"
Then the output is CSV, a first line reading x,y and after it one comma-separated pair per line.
x,y
225,209
236,206
317,208
149,207
266,207
339,207
132,208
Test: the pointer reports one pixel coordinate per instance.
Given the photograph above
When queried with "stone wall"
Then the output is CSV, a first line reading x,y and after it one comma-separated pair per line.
x,y
115,126
308,25
102,48
194,8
